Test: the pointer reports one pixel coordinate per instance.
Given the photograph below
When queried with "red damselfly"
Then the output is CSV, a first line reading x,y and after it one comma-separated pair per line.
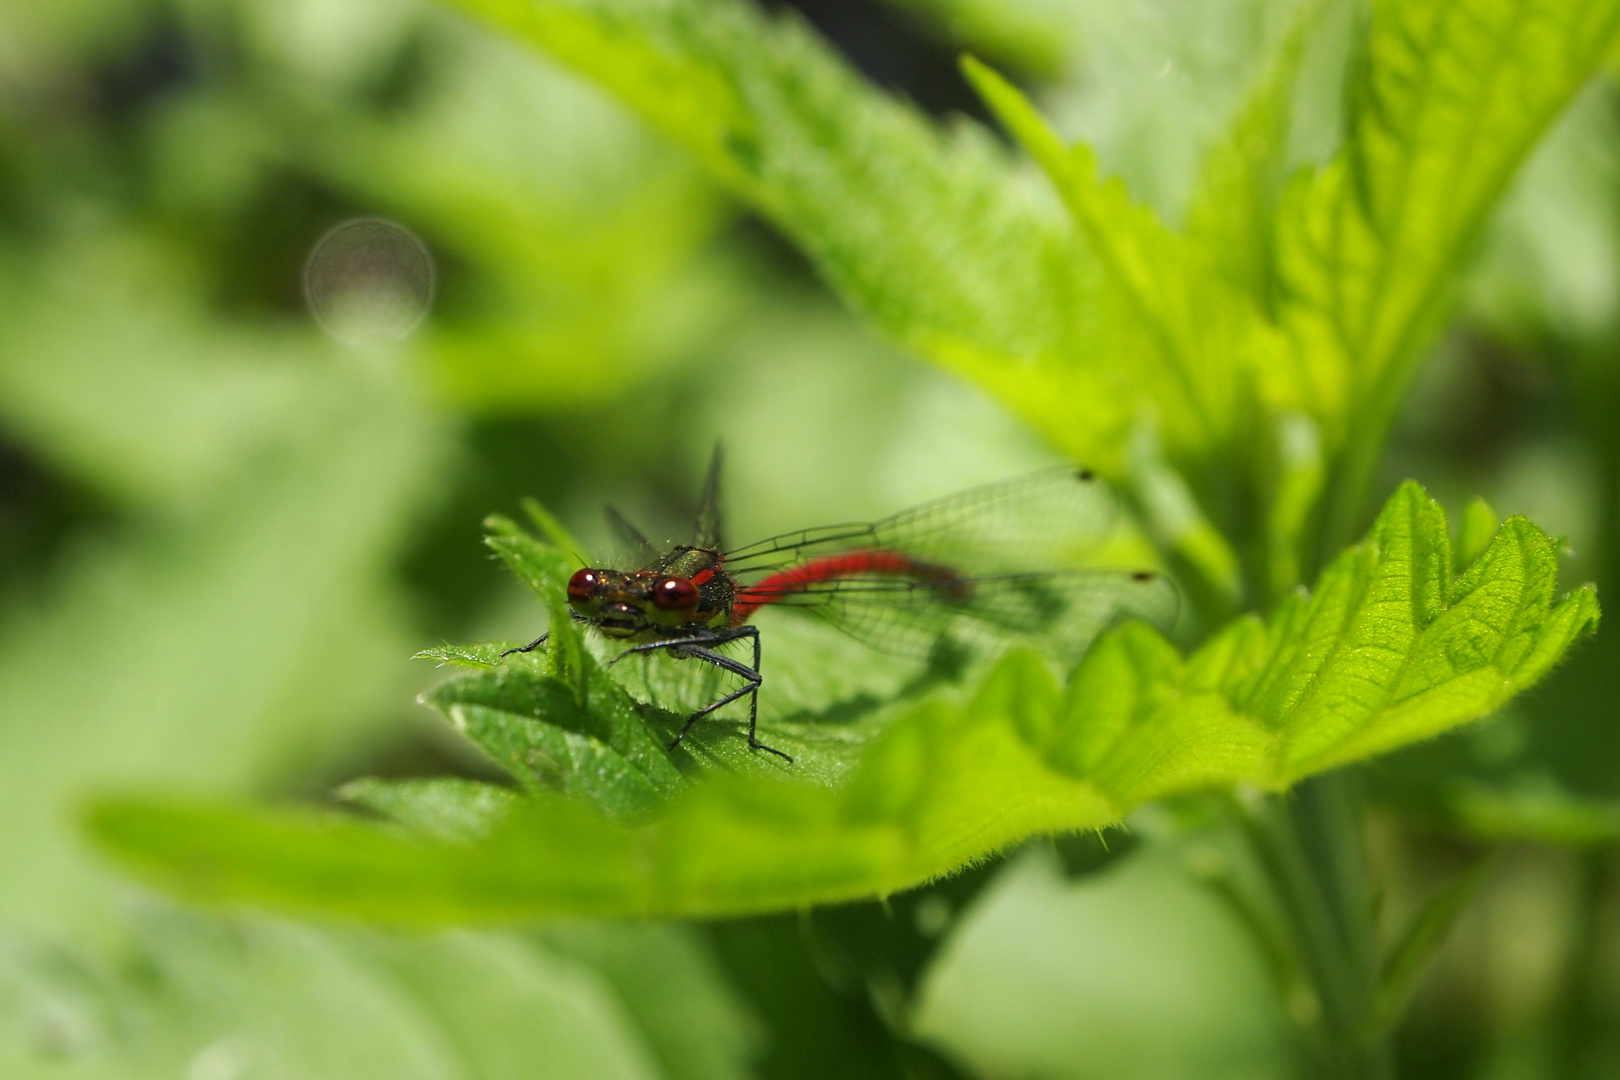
x,y
986,565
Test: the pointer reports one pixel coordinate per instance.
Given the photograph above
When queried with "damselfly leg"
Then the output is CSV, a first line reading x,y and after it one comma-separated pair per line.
x,y
531,646
702,646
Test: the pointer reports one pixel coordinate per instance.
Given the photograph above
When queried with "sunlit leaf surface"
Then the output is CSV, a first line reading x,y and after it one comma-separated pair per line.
x,y
1449,101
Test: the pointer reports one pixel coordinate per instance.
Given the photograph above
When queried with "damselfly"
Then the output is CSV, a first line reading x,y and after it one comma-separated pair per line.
x,y
987,565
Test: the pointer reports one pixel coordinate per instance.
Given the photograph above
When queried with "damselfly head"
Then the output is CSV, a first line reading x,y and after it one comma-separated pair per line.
x,y
623,605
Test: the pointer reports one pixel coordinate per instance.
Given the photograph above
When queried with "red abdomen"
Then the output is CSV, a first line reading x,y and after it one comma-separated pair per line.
x,y
798,580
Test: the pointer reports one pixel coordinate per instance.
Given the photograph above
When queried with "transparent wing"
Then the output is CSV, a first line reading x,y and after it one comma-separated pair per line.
x,y
645,552
707,532
1040,521
1059,612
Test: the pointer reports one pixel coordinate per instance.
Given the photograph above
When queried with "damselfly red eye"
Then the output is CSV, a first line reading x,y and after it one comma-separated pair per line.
x,y
675,592
582,586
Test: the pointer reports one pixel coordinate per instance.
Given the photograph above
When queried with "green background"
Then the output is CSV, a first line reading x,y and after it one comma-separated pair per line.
x,y
223,535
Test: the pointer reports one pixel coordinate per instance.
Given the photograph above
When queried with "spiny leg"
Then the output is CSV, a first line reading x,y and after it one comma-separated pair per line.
x,y
753,692
543,638
753,702
736,667
706,637
693,646
754,679
679,646
752,688
531,646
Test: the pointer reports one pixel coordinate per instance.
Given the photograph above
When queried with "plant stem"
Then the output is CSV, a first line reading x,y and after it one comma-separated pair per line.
x,y
1578,1022
1350,481
1308,850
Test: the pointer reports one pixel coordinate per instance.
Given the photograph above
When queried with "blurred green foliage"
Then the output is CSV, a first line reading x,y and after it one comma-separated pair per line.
x,y
222,534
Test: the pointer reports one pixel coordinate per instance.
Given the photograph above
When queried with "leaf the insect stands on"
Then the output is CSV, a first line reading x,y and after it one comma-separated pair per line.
x,y
1387,650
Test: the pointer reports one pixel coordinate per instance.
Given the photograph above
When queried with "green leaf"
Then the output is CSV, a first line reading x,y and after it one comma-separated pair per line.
x,y
1092,333
484,655
1448,101
877,196
593,744
940,242
183,995
1160,89
1203,348
1534,807
1200,333
673,988
1301,473
1390,650
447,807
1387,650
1136,971
1233,210
1035,37
542,567
932,234
1557,234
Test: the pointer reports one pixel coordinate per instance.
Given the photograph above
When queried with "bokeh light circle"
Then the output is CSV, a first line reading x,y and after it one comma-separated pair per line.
x,y
369,280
